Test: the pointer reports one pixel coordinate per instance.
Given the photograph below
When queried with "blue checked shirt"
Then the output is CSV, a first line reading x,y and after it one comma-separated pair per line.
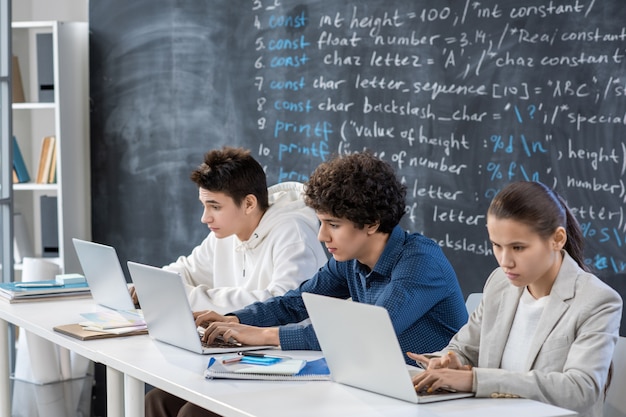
x,y
412,279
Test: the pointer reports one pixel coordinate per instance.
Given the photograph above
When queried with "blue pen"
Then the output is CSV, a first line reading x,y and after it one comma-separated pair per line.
x,y
261,355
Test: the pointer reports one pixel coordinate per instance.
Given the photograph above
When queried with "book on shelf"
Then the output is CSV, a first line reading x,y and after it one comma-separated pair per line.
x,y
50,154
52,172
45,159
237,367
18,164
45,67
17,86
14,292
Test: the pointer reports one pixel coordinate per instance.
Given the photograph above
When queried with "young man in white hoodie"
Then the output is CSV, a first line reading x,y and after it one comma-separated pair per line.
x,y
263,242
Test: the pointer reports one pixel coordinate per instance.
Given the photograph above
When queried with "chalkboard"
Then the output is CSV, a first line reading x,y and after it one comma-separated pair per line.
x,y
461,97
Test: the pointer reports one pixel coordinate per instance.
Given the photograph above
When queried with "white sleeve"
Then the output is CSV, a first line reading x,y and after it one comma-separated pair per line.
x,y
289,256
197,268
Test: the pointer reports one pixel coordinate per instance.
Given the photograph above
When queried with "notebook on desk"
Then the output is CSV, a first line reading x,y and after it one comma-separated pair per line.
x,y
104,274
362,349
167,311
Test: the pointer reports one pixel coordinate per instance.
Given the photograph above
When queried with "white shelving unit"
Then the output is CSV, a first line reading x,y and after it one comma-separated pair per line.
x,y
66,118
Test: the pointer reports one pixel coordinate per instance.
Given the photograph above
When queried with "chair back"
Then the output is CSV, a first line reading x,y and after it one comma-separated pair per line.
x,y
472,301
615,402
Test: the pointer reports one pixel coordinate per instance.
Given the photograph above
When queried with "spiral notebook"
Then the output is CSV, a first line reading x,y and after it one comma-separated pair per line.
x,y
285,370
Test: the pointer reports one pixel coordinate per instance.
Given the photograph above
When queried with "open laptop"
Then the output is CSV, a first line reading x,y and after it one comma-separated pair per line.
x,y
104,275
362,349
167,311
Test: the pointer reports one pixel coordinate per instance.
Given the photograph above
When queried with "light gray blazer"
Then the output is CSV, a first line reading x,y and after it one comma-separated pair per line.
x,y
570,353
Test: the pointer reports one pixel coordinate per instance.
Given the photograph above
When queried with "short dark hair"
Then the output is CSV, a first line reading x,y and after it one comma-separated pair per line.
x,y
234,172
360,188
543,210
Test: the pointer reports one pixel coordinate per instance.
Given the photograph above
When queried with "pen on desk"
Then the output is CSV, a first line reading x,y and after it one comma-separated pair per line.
x,y
251,354
261,355
232,360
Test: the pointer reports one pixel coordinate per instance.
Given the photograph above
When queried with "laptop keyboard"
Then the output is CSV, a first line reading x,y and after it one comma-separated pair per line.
x,y
424,393
221,344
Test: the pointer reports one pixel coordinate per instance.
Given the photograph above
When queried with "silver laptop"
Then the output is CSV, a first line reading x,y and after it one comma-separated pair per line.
x,y
362,349
167,311
104,275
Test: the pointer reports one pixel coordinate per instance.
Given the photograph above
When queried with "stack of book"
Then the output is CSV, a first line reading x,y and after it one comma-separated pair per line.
x,y
104,324
116,322
15,292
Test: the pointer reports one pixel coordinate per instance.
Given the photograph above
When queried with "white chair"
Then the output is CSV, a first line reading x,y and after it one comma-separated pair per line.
x,y
472,301
615,403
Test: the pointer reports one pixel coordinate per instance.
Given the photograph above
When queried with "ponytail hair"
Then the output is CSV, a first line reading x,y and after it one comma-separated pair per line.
x,y
543,210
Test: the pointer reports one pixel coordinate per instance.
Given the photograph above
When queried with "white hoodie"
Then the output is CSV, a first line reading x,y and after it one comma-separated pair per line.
x,y
227,274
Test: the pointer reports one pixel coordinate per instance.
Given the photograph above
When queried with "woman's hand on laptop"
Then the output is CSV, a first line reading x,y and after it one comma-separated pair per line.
x,y
445,379
442,372
450,361
241,333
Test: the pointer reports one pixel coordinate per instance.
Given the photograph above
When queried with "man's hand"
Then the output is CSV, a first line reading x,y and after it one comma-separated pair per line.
x,y
236,332
206,317
133,295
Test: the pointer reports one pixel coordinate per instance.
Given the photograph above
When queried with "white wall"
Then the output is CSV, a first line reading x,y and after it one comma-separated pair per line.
x,y
38,10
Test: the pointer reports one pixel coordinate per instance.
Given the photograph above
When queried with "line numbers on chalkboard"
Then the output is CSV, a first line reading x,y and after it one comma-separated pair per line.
x,y
258,82
257,4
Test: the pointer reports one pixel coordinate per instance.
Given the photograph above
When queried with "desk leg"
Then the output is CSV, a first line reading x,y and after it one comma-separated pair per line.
x,y
115,393
5,371
134,393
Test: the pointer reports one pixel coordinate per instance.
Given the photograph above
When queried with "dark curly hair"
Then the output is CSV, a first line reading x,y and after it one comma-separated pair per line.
x,y
360,188
234,172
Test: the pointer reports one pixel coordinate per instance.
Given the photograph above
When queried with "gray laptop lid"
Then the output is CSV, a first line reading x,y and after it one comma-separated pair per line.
x,y
167,312
362,349
104,274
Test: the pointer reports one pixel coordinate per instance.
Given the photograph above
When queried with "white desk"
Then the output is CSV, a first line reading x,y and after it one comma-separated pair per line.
x,y
134,360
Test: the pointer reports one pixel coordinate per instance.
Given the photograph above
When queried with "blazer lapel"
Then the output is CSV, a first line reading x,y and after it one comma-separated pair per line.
x,y
502,326
562,290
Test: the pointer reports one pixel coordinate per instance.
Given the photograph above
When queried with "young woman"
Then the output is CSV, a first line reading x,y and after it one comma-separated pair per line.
x,y
546,328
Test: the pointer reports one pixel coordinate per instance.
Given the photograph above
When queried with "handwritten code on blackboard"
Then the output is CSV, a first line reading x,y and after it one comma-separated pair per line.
x,y
461,97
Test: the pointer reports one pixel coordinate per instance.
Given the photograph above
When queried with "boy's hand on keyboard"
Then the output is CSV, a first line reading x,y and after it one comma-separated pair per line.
x,y
133,295
241,333
218,342
204,318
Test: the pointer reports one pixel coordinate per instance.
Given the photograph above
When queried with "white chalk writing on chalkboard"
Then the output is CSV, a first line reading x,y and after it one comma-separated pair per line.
x,y
460,97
